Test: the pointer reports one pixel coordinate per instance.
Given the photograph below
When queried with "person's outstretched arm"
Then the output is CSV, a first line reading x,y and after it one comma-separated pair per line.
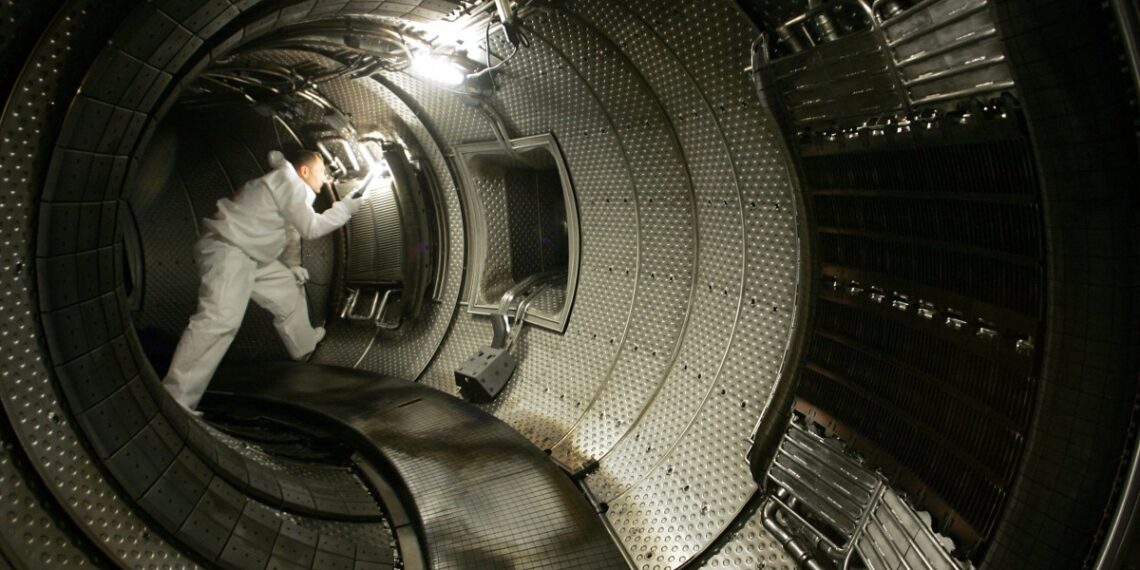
x,y
294,200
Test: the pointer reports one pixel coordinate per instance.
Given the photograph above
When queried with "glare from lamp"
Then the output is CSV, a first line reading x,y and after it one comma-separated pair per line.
x,y
438,69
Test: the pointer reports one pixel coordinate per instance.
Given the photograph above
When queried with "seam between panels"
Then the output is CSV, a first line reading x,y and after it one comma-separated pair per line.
x,y
637,215
743,280
695,233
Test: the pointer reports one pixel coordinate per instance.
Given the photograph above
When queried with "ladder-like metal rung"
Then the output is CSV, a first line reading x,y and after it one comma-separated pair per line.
x,y
825,480
837,490
818,497
897,537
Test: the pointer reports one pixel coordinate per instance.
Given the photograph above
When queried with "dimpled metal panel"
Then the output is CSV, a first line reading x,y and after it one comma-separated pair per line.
x,y
559,375
525,198
550,300
30,537
622,152
141,461
327,491
491,195
696,488
662,199
749,545
167,223
731,290
406,352
33,408
744,292
718,274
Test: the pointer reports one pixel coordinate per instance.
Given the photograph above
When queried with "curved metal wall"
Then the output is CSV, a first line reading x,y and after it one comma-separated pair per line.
x,y
687,301
689,271
42,426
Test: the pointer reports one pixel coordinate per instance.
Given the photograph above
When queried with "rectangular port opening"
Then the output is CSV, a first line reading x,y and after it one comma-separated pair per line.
x,y
522,225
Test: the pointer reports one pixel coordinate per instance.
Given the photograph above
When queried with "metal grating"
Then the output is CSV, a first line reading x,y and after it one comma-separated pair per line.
x,y
899,537
375,240
924,343
870,70
948,50
837,489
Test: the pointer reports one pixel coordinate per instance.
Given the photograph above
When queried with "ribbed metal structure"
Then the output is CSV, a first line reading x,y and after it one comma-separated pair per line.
x,y
953,298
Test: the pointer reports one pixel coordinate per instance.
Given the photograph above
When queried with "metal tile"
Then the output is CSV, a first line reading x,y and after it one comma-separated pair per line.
x,y
32,406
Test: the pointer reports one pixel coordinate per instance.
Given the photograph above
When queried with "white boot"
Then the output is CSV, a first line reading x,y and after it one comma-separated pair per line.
x,y
319,335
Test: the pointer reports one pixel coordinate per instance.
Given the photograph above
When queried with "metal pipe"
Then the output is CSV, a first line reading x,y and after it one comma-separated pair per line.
x,y
890,9
949,47
966,68
350,303
965,93
500,320
792,545
789,39
826,27
922,32
520,315
376,319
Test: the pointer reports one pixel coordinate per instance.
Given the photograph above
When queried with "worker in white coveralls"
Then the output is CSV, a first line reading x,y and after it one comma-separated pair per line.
x,y
252,249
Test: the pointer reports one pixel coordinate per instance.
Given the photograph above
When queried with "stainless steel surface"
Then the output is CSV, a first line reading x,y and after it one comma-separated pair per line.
x,y
41,424
404,353
816,479
496,212
948,50
814,474
483,496
932,53
375,254
898,537
568,371
518,299
840,490
752,545
32,538
686,302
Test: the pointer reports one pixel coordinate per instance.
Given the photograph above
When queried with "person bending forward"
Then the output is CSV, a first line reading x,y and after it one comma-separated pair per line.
x,y
252,249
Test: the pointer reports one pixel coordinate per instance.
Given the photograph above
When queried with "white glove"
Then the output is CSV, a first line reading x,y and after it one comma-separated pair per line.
x,y
300,273
360,193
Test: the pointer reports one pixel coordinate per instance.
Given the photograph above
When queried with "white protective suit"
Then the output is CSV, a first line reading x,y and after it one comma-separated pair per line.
x,y
251,249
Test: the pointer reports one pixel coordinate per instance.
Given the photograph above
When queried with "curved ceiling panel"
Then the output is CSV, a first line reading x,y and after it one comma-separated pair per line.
x,y
930,270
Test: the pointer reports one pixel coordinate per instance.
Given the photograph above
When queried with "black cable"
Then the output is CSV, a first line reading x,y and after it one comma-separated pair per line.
x,y
487,39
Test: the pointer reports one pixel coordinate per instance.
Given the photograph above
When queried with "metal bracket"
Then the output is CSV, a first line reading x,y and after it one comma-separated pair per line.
x,y
506,332
483,376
